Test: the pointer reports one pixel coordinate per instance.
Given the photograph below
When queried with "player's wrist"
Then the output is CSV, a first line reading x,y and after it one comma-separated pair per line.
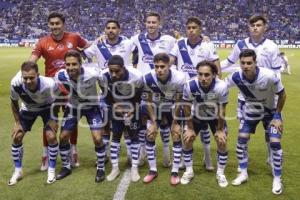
x,y
277,115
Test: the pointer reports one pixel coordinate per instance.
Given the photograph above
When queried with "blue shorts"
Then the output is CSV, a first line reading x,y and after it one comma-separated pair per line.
x,y
72,116
27,118
249,126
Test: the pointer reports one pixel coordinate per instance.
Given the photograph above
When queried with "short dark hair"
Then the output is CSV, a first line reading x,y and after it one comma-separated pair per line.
x,y
211,65
116,60
255,18
248,53
113,21
161,57
58,15
153,14
29,65
74,53
196,20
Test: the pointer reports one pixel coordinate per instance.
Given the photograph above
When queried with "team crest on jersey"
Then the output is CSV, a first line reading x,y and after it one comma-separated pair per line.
x,y
69,45
147,58
152,44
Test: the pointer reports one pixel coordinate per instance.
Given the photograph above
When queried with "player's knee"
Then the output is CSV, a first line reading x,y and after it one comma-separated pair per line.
x,y
243,140
275,146
63,137
18,138
176,136
150,137
51,138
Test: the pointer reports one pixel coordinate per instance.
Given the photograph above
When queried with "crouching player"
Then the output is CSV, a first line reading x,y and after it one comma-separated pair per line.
x,y
81,84
122,90
37,94
208,96
259,87
163,88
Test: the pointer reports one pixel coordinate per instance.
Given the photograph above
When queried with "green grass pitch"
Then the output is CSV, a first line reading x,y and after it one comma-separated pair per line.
x,y
81,185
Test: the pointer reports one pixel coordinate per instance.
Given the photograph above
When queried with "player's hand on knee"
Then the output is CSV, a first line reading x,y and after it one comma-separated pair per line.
x,y
221,138
277,123
52,124
16,129
189,136
152,131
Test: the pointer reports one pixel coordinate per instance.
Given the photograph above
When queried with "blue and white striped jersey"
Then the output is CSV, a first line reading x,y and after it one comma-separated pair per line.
x,y
148,48
205,101
260,93
37,100
83,92
188,56
103,51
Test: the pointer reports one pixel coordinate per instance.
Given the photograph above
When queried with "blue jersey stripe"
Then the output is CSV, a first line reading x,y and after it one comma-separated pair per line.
x,y
145,47
243,88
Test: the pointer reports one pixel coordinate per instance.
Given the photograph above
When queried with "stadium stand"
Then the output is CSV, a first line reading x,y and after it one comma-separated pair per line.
x,y
28,19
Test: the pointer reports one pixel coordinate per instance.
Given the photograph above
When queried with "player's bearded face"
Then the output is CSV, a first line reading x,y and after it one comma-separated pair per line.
x,y
257,29
112,31
248,66
30,79
162,70
152,24
193,31
73,67
205,76
56,26
116,72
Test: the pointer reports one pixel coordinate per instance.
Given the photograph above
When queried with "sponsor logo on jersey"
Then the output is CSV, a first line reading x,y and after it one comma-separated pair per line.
x,y
147,59
58,63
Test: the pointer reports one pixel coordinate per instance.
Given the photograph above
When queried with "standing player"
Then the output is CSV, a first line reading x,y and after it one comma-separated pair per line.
x,y
149,44
81,84
259,86
37,94
102,50
208,95
53,48
187,53
123,92
163,88
268,56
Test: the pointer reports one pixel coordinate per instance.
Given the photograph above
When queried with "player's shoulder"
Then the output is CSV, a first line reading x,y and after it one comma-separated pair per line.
x,y
90,69
270,44
62,75
178,77
168,37
242,44
45,39
17,81
46,82
134,72
266,72
220,85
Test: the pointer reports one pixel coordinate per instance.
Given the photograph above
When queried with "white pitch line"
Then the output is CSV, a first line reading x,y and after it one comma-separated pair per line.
x,y
123,186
